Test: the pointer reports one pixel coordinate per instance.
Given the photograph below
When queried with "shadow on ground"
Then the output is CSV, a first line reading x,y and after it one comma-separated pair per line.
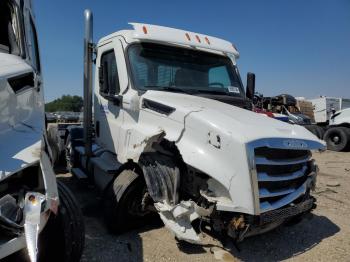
x,y
286,241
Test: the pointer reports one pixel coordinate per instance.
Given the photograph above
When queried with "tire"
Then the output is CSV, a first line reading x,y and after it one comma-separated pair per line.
x,y
122,203
337,138
316,130
320,132
64,235
53,143
311,128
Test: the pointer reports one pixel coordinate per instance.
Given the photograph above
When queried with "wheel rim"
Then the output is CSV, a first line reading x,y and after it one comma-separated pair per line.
x,y
136,205
336,140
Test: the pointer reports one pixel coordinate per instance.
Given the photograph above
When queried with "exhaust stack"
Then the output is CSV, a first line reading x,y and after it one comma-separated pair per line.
x,y
88,53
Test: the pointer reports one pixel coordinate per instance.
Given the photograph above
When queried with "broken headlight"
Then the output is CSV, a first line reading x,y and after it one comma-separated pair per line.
x,y
12,195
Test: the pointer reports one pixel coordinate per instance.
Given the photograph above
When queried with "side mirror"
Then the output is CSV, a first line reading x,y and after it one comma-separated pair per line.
x,y
250,91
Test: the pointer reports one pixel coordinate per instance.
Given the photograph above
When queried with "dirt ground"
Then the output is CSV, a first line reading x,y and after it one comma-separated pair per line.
x,y
324,237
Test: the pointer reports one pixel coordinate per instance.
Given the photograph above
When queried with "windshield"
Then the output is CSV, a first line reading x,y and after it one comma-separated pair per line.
x,y
176,69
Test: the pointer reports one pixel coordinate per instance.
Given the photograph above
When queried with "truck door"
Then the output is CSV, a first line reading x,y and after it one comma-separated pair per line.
x,y
107,102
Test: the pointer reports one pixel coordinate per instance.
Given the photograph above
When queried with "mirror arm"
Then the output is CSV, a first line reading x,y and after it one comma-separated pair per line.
x,y
115,99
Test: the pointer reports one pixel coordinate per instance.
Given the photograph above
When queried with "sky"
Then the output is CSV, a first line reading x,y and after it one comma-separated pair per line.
x,y
299,47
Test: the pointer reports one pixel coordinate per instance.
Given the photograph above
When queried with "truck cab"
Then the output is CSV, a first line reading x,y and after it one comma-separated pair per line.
x,y
173,136
31,200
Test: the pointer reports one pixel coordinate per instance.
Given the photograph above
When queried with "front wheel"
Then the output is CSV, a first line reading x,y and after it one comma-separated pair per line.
x,y
63,237
316,130
125,203
337,138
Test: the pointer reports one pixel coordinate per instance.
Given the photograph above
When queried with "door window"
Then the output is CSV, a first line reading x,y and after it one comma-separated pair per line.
x,y
108,75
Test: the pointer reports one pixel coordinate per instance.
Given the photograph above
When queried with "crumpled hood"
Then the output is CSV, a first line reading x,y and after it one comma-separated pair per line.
x,y
241,124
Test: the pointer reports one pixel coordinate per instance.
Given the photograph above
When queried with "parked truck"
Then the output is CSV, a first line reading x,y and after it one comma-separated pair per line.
x,y
331,114
337,134
172,136
39,218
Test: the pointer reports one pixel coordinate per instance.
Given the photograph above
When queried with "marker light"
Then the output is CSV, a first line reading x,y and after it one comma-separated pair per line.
x,y
207,40
144,30
188,37
198,39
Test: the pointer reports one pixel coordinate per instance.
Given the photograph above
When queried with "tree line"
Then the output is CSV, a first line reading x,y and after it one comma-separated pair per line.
x,y
65,103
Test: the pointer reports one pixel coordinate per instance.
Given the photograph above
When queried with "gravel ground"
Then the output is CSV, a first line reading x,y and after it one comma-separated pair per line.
x,y
323,237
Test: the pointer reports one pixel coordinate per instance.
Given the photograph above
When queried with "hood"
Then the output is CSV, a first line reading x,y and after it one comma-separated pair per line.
x,y
244,125
340,117
21,119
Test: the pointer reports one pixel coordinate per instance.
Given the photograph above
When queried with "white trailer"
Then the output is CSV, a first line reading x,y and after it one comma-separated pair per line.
x,y
172,137
324,107
39,218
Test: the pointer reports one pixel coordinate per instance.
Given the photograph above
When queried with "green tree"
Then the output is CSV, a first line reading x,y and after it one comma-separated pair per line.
x,y
65,103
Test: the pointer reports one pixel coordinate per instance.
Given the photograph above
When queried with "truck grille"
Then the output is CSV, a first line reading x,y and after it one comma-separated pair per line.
x,y
281,175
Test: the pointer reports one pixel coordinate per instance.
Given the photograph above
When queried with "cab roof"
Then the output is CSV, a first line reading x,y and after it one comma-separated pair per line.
x,y
162,34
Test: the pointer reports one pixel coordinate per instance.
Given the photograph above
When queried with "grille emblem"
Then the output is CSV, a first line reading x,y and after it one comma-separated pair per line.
x,y
296,144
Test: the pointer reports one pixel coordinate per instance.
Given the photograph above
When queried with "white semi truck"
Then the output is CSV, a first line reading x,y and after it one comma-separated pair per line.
x,y
170,135
39,217
332,114
337,134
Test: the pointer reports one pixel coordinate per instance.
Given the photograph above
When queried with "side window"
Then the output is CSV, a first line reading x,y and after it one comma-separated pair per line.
x,y
34,49
108,74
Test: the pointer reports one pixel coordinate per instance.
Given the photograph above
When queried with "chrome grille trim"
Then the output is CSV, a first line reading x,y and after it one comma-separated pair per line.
x,y
264,177
266,206
265,161
285,194
264,193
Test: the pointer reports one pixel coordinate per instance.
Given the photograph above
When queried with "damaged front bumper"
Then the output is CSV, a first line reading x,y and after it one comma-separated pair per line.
x,y
178,219
243,226
27,198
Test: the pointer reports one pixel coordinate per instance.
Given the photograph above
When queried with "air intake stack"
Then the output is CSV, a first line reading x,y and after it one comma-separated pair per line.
x,y
88,56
